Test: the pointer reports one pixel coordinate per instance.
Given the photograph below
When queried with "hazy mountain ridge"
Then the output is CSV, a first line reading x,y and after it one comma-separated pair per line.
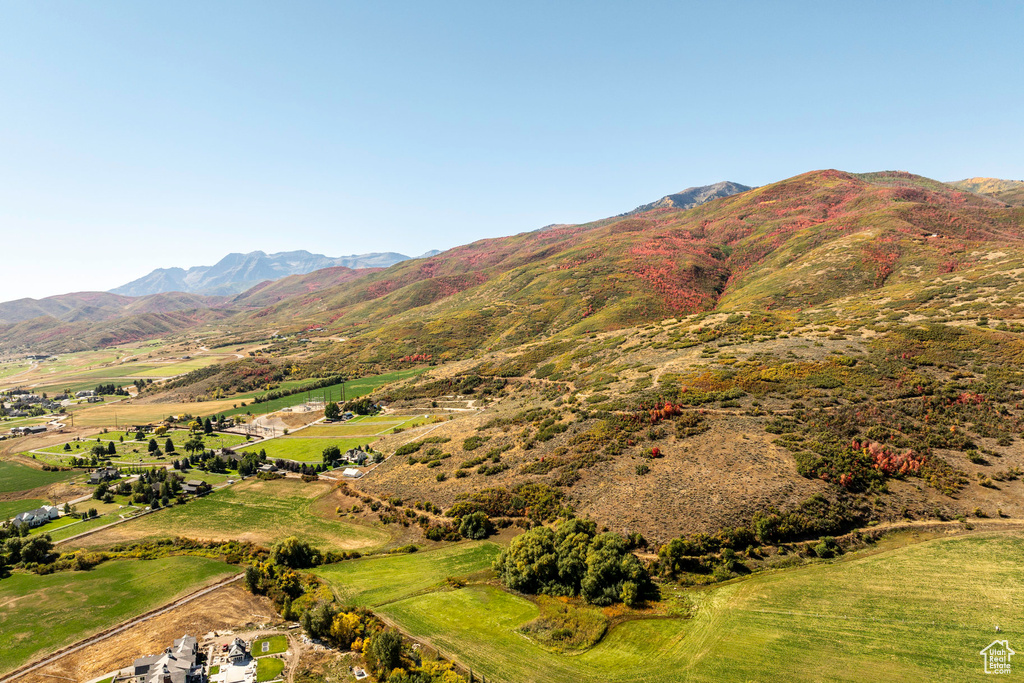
x,y
1008,191
99,306
236,272
693,196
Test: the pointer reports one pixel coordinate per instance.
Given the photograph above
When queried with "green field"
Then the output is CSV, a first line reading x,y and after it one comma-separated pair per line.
x,y
39,614
253,510
367,427
919,613
81,527
379,580
54,525
268,669
304,450
16,477
9,508
274,644
354,388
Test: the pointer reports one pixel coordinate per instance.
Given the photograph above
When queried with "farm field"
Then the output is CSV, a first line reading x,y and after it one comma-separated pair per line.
x,y
42,613
364,427
16,477
174,369
253,510
354,388
9,508
373,581
105,414
302,449
921,612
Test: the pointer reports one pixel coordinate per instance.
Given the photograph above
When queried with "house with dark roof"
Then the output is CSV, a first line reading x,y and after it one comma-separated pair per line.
x,y
177,664
104,474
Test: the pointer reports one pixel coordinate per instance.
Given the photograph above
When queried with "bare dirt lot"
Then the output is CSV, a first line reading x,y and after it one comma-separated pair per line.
x,y
229,608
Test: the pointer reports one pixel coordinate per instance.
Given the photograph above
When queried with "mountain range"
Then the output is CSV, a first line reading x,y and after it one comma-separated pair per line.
x,y
694,196
236,273
796,243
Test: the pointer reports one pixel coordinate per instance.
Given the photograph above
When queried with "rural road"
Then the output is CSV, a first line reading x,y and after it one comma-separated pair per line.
x,y
103,635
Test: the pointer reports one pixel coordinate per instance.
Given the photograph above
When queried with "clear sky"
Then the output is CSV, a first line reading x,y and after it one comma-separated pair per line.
x,y
135,135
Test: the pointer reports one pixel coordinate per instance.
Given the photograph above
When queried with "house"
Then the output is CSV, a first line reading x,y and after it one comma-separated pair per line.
x,y
345,417
37,517
351,472
177,664
268,468
84,394
195,486
356,455
104,474
237,654
94,399
34,429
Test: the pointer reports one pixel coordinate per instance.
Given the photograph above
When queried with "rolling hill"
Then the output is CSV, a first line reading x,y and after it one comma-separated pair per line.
x,y
1009,191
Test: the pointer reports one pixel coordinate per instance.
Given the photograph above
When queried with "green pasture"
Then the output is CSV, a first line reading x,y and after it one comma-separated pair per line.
x,y
304,450
10,508
181,367
253,510
55,525
382,579
921,613
354,388
39,614
17,477
70,530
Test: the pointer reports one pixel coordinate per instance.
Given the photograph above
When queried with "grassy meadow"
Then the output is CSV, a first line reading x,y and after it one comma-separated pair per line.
x,y
920,612
303,449
354,388
39,614
17,477
253,510
9,508
378,580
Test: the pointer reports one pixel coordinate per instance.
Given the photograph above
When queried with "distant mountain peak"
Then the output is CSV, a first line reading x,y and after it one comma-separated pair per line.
x,y
694,196
237,272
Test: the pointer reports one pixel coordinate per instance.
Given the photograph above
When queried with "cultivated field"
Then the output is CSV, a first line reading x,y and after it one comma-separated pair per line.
x,y
921,612
254,510
9,508
15,477
303,449
353,389
373,581
39,614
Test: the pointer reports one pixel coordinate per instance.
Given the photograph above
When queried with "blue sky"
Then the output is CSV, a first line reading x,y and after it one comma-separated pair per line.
x,y
139,135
